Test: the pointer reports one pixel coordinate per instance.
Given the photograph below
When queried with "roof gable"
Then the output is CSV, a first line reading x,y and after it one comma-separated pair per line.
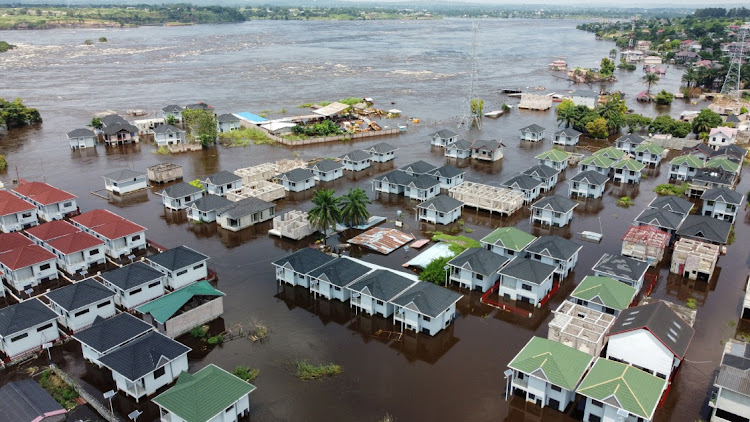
x,y
553,362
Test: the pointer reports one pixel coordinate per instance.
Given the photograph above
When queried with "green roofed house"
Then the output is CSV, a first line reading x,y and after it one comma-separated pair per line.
x,y
547,372
555,158
627,170
616,391
596,163
184,309
603,294
684,167
723,163
507,241
209,395
649,154
610,152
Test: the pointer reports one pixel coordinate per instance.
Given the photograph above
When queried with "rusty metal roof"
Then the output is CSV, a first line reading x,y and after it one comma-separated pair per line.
x,y
382,240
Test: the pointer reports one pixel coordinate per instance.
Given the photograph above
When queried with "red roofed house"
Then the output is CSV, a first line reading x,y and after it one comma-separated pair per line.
x,y
52,230
51,203
121,237
15,213
75,250
646,243
24,264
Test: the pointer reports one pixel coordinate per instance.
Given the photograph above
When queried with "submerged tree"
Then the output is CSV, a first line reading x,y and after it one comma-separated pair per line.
x,y
96,123
650,79
326,213
201,126
354,207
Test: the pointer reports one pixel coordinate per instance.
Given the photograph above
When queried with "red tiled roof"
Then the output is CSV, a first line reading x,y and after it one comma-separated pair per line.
x,y
118,229
52,230
42,192
10,241
11,204
95,218
648,235
75,242
25,256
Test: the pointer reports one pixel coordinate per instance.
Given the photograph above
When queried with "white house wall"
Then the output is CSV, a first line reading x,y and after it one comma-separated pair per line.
x,y
641,349
37,336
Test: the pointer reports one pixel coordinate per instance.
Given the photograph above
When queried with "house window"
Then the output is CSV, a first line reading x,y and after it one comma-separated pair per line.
x,y
135,292
337,288
93,252
229,409
723,414
44,267
135,238
79,313
19,337
67,204
103,304
510,252
154,284
526,287
160,372
179,273
555,388
26,215
596,403
198,267
426,318
537,256
379,302
480,277
44,327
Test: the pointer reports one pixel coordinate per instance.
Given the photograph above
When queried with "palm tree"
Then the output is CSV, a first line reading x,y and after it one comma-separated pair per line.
x,y
354,207
326,212
566,115
690,77
650,79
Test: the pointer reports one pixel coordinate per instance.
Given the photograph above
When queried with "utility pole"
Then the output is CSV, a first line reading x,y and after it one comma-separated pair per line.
x,y
732,82
469,117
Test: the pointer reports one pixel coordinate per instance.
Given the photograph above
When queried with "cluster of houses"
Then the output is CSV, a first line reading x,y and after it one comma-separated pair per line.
x,y
703,167
485,150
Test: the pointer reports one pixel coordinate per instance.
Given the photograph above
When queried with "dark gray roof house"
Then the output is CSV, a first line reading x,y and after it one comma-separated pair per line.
x,y
296,175
304,260
730,150
356,156
382,284
441,203
108,334
340,271
480,261
591,177
661,321
131,276
733,372
79,295
419,167
540,171
227,118
172,108
444,133
621,267
424,181
732,118
428,299
177,258
672,203
244,207
522,181
532,128
180,190
556,203
80,133
116,127
327,166
397,177
209,203
447,171
27,401
124,175
705,228
488,144
714,177
143,355
659,217
555,247
569,132
112,119
722,194
462,145
161,129
24,315
222,178
528,270
382,148
631,138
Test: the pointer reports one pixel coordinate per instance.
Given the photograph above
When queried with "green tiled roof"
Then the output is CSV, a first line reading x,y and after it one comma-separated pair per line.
x,y
165,307
650,148
724,163
509,238
555,155
689,160
629,164
610,152
623,386
605,291
555,362
203,395
598,161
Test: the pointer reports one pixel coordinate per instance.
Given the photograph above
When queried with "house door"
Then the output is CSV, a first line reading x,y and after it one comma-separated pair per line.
x,y
702,276
554,404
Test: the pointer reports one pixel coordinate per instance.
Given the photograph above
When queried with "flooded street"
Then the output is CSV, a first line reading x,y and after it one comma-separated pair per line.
x,y
416,66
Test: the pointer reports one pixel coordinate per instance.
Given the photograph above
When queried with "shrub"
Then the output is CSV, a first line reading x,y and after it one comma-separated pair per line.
x,y
625,202
245,373
691,303
743,110
88,42
3,162
199,331
162,150
435,272
102,39
307,371
218,339
664,98
666,189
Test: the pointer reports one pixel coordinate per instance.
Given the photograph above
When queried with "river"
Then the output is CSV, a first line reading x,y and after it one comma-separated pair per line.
x,y
419,67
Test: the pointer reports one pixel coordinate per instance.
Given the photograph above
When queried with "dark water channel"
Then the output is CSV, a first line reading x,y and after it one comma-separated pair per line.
x,y
420,67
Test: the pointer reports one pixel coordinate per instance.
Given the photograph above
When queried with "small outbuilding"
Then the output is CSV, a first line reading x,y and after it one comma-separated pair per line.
x,y
178,196
356,160
567,137
297,180
532,133
222,183
125,181
81,138
164,172
245,213
165,135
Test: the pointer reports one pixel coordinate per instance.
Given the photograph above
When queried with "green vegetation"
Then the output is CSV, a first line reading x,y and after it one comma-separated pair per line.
x,y
650,79
743,110
217,339
200,126
666,124
731,238
667,189
584,119
96,123
506,108
435,271
4,46
170,120
102,39
350,101
625,202
3,162
458,244
354,207
258,330
706,120
243,137
197,183
59,390
245,373
477,107
326,212
199,331
307,371
691,303
607,66
89,42
635,122
14,114
163,150
624,65
597,128
664,98
324,128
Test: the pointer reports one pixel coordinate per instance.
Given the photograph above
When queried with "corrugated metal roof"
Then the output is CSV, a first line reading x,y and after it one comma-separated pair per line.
x,y
382,240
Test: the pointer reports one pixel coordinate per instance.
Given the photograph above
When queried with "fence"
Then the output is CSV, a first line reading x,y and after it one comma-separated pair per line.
x,y
98,406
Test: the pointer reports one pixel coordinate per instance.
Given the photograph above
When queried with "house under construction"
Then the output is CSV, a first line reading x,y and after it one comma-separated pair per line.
x,y
694,259
535,102
491,198
294,225
268,171
579,327
262,189
645,243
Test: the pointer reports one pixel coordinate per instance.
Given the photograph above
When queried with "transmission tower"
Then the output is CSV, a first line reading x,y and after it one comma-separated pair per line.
x,y
469,118
732,82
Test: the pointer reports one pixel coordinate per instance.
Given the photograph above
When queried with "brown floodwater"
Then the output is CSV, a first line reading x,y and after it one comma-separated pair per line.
x,y
419,66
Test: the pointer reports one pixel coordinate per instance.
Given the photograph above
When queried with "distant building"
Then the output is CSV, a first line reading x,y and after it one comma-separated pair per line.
x,y
227,123
555,158
374,293
222,183
125,181
628,143
442,209
596,163
588,98
382,152
327,170
178,196
173,111
165,135
204,208
491,150
331,278
392,182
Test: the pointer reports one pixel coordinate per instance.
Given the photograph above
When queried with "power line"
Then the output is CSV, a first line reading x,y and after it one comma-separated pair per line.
x,y
469,118
732,82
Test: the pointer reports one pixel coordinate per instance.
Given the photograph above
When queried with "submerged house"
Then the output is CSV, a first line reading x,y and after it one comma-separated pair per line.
x,y
588,184
330,279
120,133
181,265
684,167
603,294
79,304
222,183
596,163
297,180
721,203
227,122
508,241
76,251
567,137
649,154
356,160
51,203
418,168
725,164
491,150
611,153
293,268
441,209
476,269
527,185
628,143
106,335
425,308
26,326
673,204
15,213
134,284
24,265
448,176
627,170
555,158
245,213
460,149
422,187
694,260
706,179
700,151
731,398
204,208
532,133
622,268
526,280
543,173
172,110
703,228
554,210
178,196
443,138
178,312
125,181
585,97
557,251
81,138
327,170
660,218
382,152
722,136
120,236
165,135
392,182
373,293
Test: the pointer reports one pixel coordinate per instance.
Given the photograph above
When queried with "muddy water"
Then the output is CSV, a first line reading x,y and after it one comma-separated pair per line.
x,y
420,67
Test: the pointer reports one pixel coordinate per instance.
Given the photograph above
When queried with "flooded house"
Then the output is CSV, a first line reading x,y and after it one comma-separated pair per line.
x,y
81,138
25,327
293,224
331,279
425,308
543,173
585,97
245,213
356,160
23,264
227,122
382,152
627,170
146,364
443,138
628,143
76,251
174,111
547,373
532,133
730,400
721,203
460,149
442,209
373,294
204,208
392,182
706,229
297,180
293,268
165,135
645,243
491,198
222,183
649,154
106,335
487,150
508,242
125,181
566,137
662,219
118,131
700,151
448,176
418,168
722,136
730,151
694,260
16,214
596,163
555,158
603,294
180,311
51,203
553,210
26,400
476,269
327,170
78,305
588,184
422,187
134,284
724,164
527,185
557,251
121,237
673,204
525,280
622,268
684,167
181,265
706,179
178,196
612,153
579,327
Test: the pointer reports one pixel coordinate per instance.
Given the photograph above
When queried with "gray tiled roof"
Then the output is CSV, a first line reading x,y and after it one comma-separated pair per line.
x,y
722,194
486,144
554,246
528,270
461,145
118,127
419,167
570,132
704,227
131,276
699,147
480,261
541,171
448,171
244,207
661,321
381,284
80,133
179,190
660,217
444,133
428,298
297,175
177,258
441,203
590,177
227,118
143,355
167,129
382,148
111,119
326,166
731,150
22,316
398,177
523,181
732,118
733,372
209,203
340,271
621,267
357,155
172,108
25,400
82,294
672,203
304,260
125,174
424,181
533,128
222,178
585,93
556,202
631,138
105,334
198,106
715,176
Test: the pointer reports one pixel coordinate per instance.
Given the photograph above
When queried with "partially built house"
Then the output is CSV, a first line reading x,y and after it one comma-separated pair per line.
x,y
535,102
491,198
645,243
294,225
694,259
579,327
261,172
262,189
164,172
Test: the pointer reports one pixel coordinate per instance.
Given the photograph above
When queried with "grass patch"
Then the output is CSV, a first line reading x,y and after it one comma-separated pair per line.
x,y
458,244
625,202
258,330
246,373
307,371
3,162
4,46
350,101
244,137
59,389
218,339
691,303
293,137
731,237
305,105
469,230
162,150
666,189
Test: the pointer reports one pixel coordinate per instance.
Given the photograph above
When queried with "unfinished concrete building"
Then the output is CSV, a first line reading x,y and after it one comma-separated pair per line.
x,y
164,173
261,172
491,198
535,102
645,243
267,191
294,225
579,327
694,259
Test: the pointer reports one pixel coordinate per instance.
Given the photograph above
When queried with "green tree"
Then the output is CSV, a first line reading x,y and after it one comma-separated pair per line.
x,y
3,162
96,123
566,112
354,207
598,128
326,212
613,53
706,120
435,271
170,120
102,39
690,77
625,65
201,126
477,107
650,79
15,114
664,98
636,122
607,67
